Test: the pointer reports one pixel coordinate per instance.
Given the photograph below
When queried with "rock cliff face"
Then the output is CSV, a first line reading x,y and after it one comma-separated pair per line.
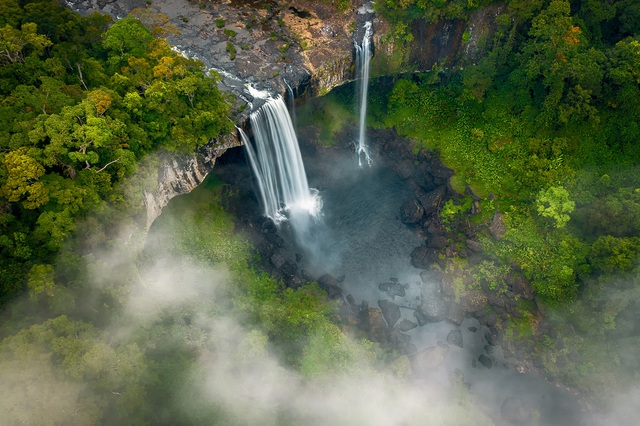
x,y
181,173
307,48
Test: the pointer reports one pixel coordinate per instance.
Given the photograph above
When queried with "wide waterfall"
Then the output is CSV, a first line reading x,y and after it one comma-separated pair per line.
x,y
363,59
277,165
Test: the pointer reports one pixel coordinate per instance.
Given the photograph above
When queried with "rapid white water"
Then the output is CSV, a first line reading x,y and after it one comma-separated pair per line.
x,y
277,165
363,59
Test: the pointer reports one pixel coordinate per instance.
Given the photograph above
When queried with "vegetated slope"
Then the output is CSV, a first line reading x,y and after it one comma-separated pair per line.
x,y
545,130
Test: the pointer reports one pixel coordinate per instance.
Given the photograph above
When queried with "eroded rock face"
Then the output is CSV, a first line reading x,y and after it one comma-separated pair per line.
x,y
181,173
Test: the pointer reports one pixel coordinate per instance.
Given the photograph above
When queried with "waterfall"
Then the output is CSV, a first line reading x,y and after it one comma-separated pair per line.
x,y
363,59
278,168
291,103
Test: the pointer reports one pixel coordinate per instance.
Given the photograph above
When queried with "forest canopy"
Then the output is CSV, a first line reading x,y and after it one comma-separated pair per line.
x,y
82,101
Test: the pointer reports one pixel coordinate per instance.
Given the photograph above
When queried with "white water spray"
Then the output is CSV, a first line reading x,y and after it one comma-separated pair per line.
x,y
277,164
363,59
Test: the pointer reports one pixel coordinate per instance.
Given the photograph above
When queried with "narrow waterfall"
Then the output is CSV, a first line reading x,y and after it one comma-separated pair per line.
x,y
363,59
277,165
291,103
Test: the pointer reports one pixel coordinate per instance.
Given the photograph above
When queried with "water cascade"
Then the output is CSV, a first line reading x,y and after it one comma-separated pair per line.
x,y
291,103
277,165
363,59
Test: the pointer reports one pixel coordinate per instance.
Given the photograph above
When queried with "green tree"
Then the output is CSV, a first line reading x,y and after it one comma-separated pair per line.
x,y
15,44
554,203
23,179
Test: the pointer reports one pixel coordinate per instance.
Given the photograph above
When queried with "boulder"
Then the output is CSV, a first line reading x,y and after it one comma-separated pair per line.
x,y
390,312
431,275
422,257
473,301
520,286
411,211
437,241
399,340
278,258
485,361
375,325
474,246
433,307
431,200
420,317
393,289
455,314
330,284
405,325
498,227
405,169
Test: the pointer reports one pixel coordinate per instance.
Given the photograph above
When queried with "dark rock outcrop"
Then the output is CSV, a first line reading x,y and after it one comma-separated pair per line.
x,y
423,257
411,211
431,200
390,311
485,361
433,307
393,289
180,173
405,325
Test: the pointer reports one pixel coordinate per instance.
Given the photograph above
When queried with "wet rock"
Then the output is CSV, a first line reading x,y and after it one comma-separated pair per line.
x,y
514,411
520,286
274,240
491,338
433,307
474,245
431,275
428,359
278,258
296,281
485,361
411,211
393,289
351,300
437,241
431,200
455,338
420,318
405,169
329,284
498,227
390,311
448,285
473,301
399,340
289,271
406,325
455,314
375,325
422,257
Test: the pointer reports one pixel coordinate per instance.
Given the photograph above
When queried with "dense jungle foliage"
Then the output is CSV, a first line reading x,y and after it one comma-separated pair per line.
x,y
103,325
546,130
83,100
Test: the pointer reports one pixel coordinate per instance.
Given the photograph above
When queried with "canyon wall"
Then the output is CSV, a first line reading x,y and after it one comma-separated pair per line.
x,y
309,48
